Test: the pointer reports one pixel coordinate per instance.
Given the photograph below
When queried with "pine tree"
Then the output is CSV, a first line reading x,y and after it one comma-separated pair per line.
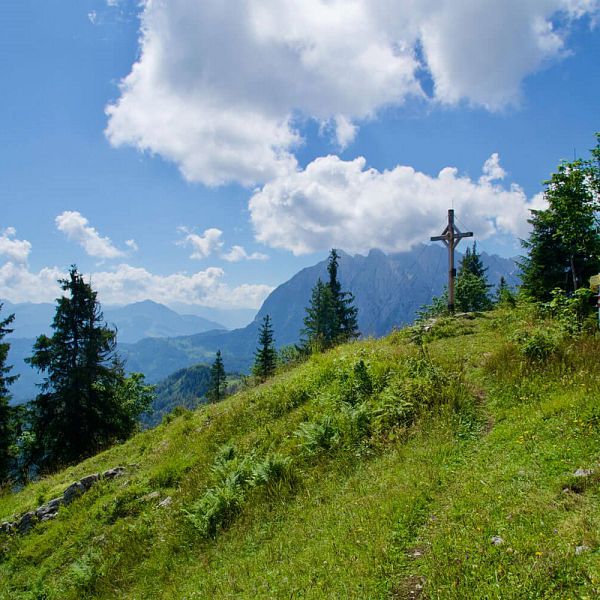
x,y
86,401
331,317
563,249
472,288
504,295
320,319
218,380
345,326
6,417
265,357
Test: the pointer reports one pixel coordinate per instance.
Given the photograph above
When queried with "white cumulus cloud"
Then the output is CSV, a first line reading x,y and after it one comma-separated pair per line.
x,y
15,250
337,203
77,228
125,283
219,87
202,245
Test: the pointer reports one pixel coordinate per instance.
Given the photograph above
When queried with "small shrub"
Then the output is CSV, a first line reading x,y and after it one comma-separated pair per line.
x,y
273,472
538,344
217,508
322,435
167,477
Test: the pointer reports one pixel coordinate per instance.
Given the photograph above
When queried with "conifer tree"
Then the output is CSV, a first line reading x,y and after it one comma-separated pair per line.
x,y
6,430
345,326
331,317
218,380
563,249
86,401
504,295
472,288
265,357
320,319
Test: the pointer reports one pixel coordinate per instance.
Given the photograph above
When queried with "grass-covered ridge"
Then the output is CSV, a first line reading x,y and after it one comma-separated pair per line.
x,y
367,472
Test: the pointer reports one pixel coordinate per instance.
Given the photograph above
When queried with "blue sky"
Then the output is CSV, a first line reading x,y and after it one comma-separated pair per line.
x,y
252,136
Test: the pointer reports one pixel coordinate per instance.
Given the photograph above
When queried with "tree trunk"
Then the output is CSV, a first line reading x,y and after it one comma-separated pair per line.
x,y
573,273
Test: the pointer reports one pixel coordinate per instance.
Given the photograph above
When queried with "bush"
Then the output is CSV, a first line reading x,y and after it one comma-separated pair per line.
x,y
322,435
538,344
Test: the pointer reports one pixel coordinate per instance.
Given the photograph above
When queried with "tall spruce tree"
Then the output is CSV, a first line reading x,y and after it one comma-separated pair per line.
x,y
6,416
563,249
218,380
472,288
86,402
345,326
319,322
265,357
331,317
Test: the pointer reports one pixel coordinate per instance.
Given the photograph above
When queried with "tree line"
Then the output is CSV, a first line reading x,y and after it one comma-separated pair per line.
x,y
330,319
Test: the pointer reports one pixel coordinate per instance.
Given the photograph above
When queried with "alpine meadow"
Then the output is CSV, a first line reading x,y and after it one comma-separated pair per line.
x,y
300,300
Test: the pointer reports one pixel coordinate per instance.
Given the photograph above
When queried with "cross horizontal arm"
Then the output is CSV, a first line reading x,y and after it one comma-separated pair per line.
x,y
462,235
439,238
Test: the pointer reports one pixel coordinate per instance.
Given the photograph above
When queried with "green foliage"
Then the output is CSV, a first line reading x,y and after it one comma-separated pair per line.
x,y
331,317
571,311
563,249
538,343
7,433
428,456
265,357
86,402
218,380
186,388
472,288
504,295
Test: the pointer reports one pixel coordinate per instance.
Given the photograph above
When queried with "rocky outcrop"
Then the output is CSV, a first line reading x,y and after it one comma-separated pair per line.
x,y
50,509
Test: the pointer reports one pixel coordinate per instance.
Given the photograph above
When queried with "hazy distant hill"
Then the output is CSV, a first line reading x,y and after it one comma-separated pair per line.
x,y
134,322
388,289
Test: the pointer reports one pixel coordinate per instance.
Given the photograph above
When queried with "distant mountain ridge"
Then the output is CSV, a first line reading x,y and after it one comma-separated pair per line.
x,y
388,291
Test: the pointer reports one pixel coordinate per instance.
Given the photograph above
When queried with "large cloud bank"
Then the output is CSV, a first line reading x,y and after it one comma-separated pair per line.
x,y
343,204
219,86
121,284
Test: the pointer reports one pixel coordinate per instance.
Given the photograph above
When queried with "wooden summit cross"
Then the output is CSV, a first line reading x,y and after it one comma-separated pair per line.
x,y
451,236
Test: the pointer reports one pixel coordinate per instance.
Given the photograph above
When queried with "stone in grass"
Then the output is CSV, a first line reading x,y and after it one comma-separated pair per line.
x,y
112,473
497,540
26,522
583,472
581,549
75,490
88,481
7,527
166,502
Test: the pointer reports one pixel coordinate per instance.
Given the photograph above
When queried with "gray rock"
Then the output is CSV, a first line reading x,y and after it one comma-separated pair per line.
x,y
497,540
73,491
88,481
26,522
583,472
114,472
581,549
166,502
7,527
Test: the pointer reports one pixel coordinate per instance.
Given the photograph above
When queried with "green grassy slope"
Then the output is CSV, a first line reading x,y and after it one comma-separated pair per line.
x,y
377,470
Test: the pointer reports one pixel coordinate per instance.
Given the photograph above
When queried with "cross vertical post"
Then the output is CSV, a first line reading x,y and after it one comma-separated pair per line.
x,y
451,237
